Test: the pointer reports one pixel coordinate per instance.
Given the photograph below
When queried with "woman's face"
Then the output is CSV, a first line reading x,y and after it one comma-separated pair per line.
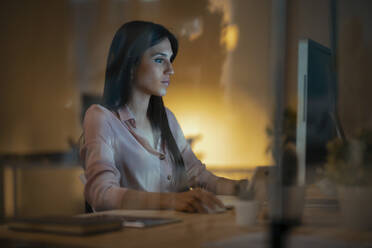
x,y
152,75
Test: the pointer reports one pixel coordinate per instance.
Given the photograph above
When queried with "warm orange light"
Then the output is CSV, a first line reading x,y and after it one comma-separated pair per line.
x,y
230,37
231,137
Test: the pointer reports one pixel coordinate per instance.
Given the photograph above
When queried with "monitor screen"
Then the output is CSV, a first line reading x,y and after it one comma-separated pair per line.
x,y
316,105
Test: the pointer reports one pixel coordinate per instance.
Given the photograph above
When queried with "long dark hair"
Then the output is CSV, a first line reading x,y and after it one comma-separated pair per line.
x,y
129,44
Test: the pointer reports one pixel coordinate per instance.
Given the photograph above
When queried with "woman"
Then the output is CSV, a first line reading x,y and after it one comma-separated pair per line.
x,y
134,152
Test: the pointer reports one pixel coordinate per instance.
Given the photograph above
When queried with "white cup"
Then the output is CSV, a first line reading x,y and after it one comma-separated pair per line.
x,y
246,212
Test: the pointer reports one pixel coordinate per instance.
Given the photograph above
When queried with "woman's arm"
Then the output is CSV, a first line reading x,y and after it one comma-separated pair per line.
x,y
191,201
226,186
230,187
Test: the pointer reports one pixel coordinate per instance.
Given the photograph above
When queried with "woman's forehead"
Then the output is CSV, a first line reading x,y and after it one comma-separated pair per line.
x,y
163,48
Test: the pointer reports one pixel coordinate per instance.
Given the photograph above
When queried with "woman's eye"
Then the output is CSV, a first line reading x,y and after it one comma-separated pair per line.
x,y
158,61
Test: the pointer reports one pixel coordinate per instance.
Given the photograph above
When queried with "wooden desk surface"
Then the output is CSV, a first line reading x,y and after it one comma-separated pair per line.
x,y
193,231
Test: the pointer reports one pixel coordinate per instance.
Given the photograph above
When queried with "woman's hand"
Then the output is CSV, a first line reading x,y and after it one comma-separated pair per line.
x,y
195,200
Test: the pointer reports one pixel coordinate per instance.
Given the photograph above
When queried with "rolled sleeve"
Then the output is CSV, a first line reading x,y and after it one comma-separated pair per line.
x,y
102,189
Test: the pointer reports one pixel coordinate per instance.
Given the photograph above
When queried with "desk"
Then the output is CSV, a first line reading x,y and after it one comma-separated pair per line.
x,y
194,231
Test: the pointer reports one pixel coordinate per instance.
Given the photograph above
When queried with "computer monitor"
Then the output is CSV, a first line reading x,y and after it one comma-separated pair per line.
x,y
316,109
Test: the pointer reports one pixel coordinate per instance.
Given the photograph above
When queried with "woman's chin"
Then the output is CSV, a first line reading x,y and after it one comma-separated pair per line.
x,y
161,92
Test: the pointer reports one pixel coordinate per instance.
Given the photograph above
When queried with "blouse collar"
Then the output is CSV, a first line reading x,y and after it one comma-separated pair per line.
x,y
127,116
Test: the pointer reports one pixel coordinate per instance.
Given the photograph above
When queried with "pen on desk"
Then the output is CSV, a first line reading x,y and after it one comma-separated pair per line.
x,y
138,224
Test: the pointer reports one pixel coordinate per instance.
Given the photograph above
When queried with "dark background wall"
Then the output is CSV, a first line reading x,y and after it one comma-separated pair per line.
x,y
311,19
38,94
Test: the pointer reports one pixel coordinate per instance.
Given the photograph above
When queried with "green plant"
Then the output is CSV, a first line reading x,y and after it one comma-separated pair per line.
x,y
289,129
350,162
288,142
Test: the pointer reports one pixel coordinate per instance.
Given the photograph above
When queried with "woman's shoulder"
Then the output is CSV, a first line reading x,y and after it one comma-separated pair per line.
x,y
168,111
97,109
172,120
176,129
170,115
97,112
98,122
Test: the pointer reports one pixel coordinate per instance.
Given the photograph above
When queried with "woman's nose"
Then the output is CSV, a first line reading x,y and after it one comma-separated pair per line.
x,y
170,70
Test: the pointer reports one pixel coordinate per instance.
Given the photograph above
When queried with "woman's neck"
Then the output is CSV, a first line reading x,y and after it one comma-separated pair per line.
x,y
138,105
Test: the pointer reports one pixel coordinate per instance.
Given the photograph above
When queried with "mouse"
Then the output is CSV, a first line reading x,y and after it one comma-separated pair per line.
x,y
216,210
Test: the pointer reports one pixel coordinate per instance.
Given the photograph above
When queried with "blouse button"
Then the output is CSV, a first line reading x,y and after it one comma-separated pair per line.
x,y
161,157
169,177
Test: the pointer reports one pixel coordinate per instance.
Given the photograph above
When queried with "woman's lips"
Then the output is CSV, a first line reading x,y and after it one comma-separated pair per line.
x,y
165,82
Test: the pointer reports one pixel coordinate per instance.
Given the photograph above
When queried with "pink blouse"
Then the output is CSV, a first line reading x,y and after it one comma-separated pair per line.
x,y
116,158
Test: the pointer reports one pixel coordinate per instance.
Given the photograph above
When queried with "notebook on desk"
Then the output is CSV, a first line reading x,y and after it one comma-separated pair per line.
x,y
141,221
68,225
